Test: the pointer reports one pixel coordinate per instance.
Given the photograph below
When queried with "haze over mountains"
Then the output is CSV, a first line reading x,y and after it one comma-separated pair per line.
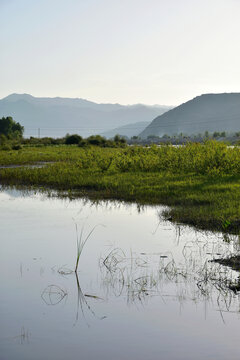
x,y
57,116
208,112
128,130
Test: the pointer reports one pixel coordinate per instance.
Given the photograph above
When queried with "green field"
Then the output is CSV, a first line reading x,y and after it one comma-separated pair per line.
x,y
200,182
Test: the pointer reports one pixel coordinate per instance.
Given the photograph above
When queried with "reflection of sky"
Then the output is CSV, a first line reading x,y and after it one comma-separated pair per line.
x,y
38,237
153,51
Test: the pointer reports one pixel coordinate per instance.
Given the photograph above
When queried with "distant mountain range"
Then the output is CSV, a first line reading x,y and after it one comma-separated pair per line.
x,y
128,130
209,112
57,116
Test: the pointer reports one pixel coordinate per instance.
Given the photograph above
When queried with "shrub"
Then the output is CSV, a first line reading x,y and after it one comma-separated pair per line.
x,y
83,143
73,139
96,140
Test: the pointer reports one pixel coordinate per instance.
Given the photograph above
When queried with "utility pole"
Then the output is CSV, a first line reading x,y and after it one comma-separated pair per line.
x,y
39,133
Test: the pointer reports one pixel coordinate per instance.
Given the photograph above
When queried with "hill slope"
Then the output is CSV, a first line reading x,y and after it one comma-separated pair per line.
x,y
211,112
58,116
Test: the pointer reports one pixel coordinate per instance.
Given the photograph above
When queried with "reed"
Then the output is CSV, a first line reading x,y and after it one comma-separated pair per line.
x,y
81,241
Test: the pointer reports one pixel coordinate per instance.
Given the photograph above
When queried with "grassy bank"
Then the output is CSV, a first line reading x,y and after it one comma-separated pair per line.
x,y
200,183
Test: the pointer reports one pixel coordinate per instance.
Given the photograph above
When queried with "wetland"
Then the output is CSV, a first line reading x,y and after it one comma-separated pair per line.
x,y
124,253
145,287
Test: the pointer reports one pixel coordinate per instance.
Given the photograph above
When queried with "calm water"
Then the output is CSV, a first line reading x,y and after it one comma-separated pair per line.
x,y
144,290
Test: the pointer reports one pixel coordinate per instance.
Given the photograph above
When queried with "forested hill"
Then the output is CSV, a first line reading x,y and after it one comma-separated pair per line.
x,y
57,116
208,112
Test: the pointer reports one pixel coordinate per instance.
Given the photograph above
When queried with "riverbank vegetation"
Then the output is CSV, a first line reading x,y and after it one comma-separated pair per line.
x,y
230,138
16,143
199,182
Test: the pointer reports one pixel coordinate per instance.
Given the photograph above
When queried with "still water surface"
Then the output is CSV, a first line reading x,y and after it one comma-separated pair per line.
x,y
144,289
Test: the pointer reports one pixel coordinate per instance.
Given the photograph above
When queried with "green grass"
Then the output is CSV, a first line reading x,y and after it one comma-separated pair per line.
x,y
81,243
200,183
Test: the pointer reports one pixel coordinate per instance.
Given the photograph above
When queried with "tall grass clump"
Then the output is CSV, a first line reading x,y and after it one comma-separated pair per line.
x,y
81,243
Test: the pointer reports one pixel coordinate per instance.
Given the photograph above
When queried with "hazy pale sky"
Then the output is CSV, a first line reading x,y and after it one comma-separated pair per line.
x,y
126,51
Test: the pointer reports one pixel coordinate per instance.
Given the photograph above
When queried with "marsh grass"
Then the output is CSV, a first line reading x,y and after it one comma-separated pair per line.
x,y
199,182
53,294
81,241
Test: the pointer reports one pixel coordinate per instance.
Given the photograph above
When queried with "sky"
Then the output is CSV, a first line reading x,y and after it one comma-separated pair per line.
x,y
120,51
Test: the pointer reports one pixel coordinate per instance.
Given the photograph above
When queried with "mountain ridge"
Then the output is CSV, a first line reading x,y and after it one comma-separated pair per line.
x,y
206,112
57,116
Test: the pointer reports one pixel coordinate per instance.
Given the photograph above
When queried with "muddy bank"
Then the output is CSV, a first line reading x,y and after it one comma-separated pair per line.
x,y
233,262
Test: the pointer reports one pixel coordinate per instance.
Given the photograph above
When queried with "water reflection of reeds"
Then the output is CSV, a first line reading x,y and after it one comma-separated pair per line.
x,y
138,277
190,275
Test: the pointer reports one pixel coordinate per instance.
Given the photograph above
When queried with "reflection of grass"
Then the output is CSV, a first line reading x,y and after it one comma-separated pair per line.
x,y
23,336
83,303
53,295
199,182
139,278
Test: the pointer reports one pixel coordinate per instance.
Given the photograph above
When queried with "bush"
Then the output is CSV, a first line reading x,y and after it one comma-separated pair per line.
x,y
96,140
83,143
73,139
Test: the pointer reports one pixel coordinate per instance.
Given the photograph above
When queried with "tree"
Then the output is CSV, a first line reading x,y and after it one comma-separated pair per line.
x,y
10,128
97,140
3,139
119,139
73,139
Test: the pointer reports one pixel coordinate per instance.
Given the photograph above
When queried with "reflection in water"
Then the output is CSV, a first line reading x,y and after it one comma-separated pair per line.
x,y
53,295
23,337
155,282
83,304
138,277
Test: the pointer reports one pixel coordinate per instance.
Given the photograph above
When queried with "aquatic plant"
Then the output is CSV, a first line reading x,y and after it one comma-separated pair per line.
x,y
81,242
